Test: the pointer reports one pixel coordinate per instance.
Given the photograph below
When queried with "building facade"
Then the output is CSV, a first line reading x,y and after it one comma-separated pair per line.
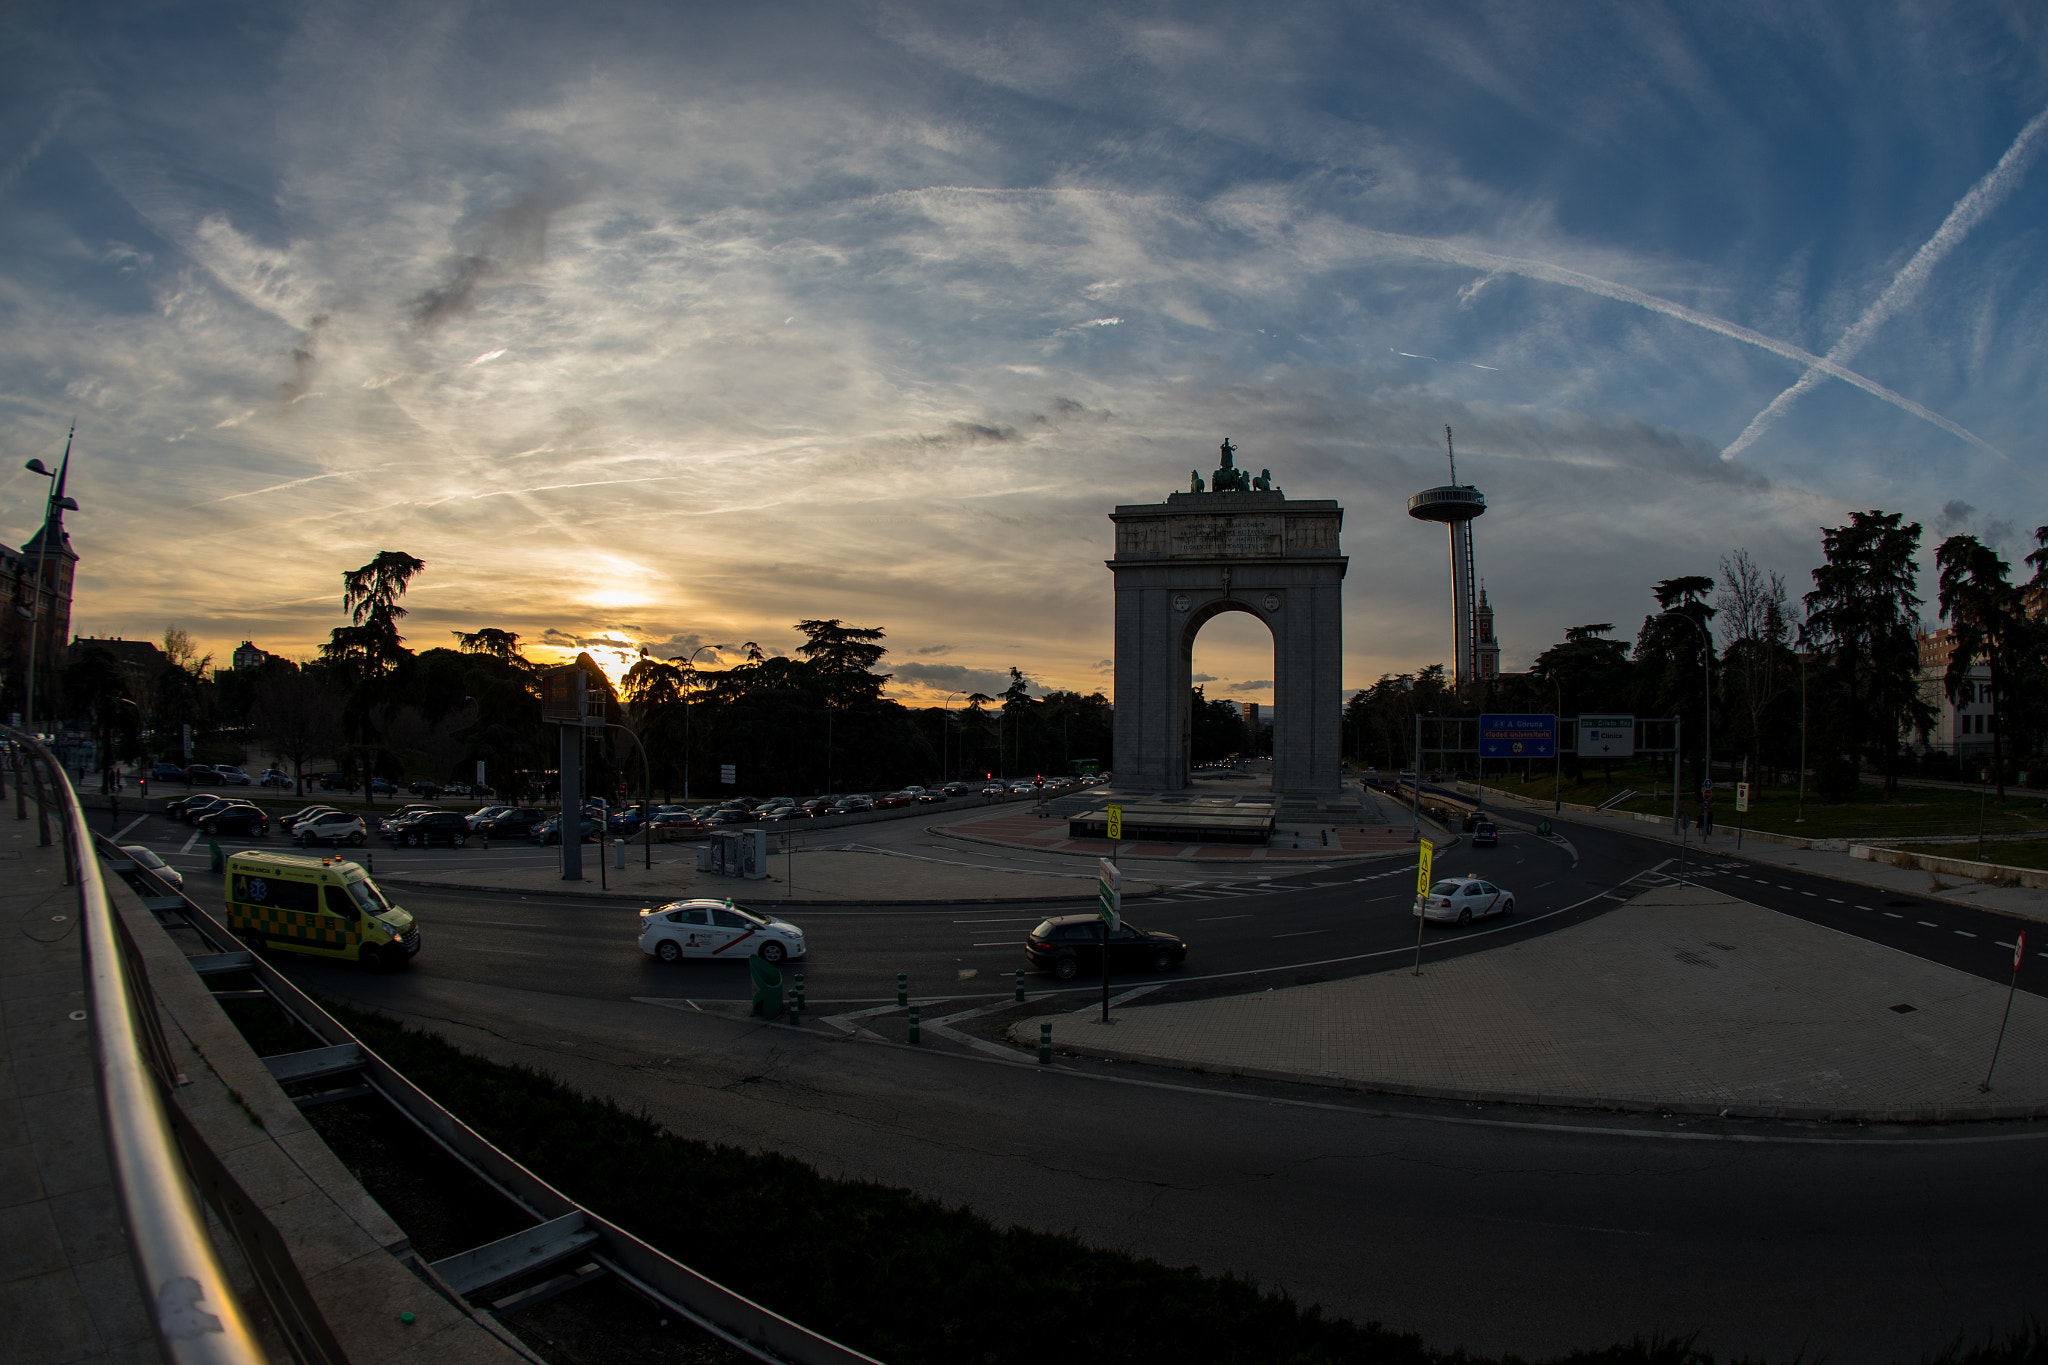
x,y
1966,725
1485,648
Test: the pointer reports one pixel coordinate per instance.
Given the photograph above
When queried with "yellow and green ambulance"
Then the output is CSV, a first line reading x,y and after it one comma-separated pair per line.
x,y
324,907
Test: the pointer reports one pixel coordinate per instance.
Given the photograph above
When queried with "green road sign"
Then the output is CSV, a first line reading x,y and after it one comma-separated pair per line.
x,y
1109,891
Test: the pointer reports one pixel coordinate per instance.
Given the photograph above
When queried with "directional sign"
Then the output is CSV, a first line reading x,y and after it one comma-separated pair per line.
x,y
1518,736
1607,736
1425,855
1116,821
1109,892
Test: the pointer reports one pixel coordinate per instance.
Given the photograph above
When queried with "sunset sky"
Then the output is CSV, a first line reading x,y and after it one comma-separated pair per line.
x,y
675,324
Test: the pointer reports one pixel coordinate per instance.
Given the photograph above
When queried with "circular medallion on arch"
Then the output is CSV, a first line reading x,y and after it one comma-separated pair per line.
x,y
1272,602
1180,602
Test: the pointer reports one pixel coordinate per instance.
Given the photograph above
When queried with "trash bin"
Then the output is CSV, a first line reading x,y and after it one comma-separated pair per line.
x,y
767,988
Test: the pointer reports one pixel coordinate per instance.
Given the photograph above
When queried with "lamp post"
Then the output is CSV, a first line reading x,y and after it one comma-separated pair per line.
x,y
1557,753
689,671
1805,658
52,504
945,737
1707,701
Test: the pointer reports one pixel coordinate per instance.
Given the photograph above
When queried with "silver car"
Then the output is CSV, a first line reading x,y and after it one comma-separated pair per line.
x,y
330,827
155,866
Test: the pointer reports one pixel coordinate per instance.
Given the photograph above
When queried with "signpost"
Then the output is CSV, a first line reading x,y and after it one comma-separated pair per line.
x,y
1607,736
1116,821
1109,901
1518,736
2019,953
1425,857
728,775
1742,798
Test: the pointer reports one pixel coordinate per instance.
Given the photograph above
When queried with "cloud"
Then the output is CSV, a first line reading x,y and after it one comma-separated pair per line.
x,y
1203,677
934,681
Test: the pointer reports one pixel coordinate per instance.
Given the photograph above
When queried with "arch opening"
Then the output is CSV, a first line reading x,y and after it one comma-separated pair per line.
x,y
1232,661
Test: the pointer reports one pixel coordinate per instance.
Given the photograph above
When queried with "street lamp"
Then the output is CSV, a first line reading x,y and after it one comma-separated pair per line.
x,y
1805,658
945,735
1557,754
1707,702
52,504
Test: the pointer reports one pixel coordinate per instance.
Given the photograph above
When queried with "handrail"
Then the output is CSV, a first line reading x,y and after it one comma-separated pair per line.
x,y
194,1311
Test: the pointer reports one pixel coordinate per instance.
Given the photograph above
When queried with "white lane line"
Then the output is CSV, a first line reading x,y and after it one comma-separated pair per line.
x,y
1809,893
1833,901
186,847
1211,919
1006,943
1866,907
501,923
1966,933
1302,933
130,825
1926,924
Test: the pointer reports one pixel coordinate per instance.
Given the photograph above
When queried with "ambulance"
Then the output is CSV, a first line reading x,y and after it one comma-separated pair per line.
x,y
323,907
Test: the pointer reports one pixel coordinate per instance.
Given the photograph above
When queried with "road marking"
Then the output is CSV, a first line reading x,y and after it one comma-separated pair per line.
x,y
1023,920
1889,915
1966,933
1211,919
1926,924
130,825
1866,907
1833,901
1806,893
1302,933
1006,943
504,923
186,847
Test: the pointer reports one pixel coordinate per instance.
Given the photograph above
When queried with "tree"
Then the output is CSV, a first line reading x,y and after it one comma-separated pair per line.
x,y
1670,657
95,685
845,656
298,714
1989,620
366,656
1863,615
1756,663
1215,728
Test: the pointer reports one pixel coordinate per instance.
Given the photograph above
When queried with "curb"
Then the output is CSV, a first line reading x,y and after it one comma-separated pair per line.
x,y
628,898
1809,1112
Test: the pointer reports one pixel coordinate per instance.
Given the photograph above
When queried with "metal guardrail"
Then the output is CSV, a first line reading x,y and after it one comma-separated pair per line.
x,y
196,1315
565,1229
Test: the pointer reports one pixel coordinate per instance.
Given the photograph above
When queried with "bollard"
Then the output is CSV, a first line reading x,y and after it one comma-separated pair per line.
x,y
796,1010
214,862
902,989
487,841
1020,983
1045,1044
913,1024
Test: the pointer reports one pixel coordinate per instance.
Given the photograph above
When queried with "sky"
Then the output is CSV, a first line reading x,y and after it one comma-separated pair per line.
x,y
671,326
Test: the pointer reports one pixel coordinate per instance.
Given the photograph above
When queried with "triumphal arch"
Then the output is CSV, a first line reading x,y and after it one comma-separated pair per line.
x,y
1234,544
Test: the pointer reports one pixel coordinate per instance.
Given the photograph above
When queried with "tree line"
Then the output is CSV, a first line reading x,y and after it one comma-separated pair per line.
x,y
1846,656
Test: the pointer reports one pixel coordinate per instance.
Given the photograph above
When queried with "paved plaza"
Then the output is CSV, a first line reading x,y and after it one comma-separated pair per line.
x,y
1683,999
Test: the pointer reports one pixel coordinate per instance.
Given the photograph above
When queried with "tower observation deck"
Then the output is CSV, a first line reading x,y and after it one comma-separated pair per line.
x,y
1456,504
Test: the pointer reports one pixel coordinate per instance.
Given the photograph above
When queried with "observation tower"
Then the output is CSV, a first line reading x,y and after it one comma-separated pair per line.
x,y
1456,504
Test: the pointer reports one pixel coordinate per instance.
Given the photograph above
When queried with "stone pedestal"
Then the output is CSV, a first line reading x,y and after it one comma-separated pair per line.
x,y
1185,561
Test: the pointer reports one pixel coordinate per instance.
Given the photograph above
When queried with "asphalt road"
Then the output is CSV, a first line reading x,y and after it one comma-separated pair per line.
x,y
1494,1228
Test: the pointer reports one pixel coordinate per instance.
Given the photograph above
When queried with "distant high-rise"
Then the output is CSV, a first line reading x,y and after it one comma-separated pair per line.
x,y
1485,648
1457,505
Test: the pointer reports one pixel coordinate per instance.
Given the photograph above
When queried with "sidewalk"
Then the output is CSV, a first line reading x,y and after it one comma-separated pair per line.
x,y
1684,1000
2024,902
67,1285
1294,842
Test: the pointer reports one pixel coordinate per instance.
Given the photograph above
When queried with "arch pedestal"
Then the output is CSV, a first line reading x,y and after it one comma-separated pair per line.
x,y
1181,563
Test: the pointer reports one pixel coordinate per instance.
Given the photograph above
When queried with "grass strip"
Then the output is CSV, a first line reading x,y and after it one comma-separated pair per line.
x,y
908,1279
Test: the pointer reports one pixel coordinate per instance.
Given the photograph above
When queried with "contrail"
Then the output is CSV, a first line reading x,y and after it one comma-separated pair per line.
x,y
1452,253
1985,196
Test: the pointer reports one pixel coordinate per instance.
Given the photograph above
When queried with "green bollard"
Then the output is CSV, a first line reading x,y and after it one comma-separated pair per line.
x,y
215,862
902,989
1020,983
796,1010
913,1025
1045,1044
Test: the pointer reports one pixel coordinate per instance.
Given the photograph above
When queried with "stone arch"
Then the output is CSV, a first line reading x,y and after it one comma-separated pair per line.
x,y
1197,619
1179,565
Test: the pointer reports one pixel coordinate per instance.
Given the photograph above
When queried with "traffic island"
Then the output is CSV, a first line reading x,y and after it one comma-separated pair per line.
x,y
1683,1001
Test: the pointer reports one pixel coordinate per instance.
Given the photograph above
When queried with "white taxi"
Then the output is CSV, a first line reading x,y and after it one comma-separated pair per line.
x,y
716,929
1460,900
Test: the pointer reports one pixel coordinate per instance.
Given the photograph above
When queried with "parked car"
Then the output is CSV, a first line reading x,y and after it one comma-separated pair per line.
x,y
1068,945
167,772
235,817
273,778
458,789
424,788
817,806
853,803
337,782
893,800
730,815
512,822
381,786
716,929
931,796
958,788
155,866
232,776
1462,900
331,827
549,831
202,775
431,827
188,809
388,822
288,823
677,823
482,813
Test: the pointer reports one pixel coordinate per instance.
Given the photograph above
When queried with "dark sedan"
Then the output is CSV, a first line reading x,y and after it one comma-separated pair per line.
x,y
513,824
167,772
235,817
549,831
430,827
285,822
1068,945
190,808
200,775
